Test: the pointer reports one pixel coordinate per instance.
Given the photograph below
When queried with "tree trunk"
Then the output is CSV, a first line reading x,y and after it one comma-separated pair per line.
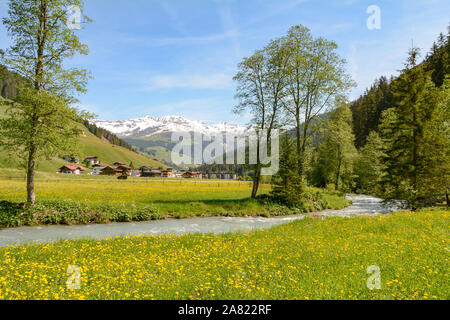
x,y
256,181
31,198
299,146
32,151
257,177
301,168
338,173
414,155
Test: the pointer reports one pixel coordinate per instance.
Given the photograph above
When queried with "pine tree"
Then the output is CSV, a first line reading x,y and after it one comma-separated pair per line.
x,y
415,98
438,60
287,182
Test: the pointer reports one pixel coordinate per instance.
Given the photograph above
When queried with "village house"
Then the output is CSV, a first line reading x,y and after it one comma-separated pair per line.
x,y
155,173
97,168
178,175
69,169
145,171
220,176
135,173
124,169
110,171
168,173
91,160
193,175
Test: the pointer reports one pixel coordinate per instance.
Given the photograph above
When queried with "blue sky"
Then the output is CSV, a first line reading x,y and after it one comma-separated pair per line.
x,y
178,57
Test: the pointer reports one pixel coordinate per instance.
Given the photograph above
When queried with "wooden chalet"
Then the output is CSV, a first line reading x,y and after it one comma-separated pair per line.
x,y
70,169
110,171
145,171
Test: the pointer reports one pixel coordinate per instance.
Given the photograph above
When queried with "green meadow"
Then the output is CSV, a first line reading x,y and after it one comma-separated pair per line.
x,y
97,199
308,259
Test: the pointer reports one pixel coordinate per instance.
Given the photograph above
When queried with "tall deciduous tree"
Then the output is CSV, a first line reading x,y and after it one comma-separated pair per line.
x,y
261,82
39,122
369,167
337,152
316,78
435,175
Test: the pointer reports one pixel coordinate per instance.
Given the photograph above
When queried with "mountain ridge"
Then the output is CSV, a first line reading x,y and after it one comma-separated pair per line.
x,y
152,126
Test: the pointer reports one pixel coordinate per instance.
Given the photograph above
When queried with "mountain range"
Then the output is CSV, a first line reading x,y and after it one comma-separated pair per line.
x,y
164,126
152,135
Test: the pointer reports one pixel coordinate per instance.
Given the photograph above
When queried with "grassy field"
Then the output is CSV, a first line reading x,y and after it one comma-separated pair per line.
x,y
308,259
89,199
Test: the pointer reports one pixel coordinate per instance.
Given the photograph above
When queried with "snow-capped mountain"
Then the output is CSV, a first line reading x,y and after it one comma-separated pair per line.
x,y
151,126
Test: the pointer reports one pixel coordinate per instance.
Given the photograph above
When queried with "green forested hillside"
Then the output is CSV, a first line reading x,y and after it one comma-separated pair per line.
x,y
368,109
158,147
7,83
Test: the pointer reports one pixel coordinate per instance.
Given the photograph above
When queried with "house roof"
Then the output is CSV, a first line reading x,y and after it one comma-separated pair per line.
x,y
99,165
73,168
112,168
195,173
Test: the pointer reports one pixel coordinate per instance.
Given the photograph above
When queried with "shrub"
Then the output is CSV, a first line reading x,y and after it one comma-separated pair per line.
x,y
147,213
70,213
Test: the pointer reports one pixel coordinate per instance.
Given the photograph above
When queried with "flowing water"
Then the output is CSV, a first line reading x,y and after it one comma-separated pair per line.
x,y
362,205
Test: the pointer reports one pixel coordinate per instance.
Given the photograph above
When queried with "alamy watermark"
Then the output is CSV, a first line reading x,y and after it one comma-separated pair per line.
x,y
374,20
74,280
374,281
227,148
74,18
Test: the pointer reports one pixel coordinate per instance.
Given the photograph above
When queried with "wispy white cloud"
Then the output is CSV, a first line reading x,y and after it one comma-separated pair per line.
x,y
231,27
232,30
176,22
191,81
188,40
